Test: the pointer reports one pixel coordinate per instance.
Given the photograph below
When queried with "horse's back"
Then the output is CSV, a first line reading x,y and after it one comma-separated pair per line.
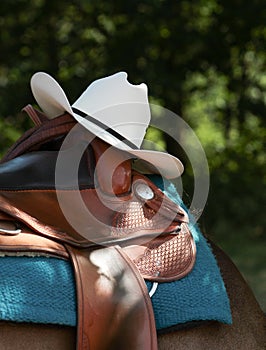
x,y
248,331
32,336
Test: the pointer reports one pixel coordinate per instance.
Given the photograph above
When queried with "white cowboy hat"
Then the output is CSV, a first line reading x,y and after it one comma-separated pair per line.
x,y
111,108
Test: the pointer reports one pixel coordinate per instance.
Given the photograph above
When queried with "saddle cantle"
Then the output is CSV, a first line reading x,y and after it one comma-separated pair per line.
x,y
142,230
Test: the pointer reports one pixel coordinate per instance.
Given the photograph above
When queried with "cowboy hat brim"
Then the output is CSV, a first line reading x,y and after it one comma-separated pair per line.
x,y
53,101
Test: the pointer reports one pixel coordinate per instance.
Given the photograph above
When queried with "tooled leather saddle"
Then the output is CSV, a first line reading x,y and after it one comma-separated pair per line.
x,y
83,201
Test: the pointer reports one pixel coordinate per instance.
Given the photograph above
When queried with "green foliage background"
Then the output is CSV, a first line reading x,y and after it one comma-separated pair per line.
x,y
202,59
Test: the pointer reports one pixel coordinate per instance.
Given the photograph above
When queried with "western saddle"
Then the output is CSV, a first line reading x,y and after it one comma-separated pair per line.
x,y
116,230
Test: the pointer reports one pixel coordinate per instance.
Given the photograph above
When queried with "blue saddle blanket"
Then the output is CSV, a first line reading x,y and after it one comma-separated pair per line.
x,y
42,289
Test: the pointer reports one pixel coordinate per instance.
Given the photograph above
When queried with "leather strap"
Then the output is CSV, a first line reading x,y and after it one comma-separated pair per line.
x,y
114,308
36,116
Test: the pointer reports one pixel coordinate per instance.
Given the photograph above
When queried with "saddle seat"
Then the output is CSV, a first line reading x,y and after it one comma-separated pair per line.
x,y
127,231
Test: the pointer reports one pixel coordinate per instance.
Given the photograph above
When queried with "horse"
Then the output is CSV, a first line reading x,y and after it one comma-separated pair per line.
x,y
248,327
